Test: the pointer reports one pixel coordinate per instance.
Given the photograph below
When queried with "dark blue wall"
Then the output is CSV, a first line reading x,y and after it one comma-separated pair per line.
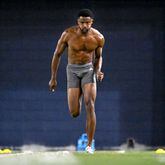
x,y
130,101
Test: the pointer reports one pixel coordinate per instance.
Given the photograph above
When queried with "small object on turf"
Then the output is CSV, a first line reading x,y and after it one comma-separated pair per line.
x,y
5,151
52,90
89,150
160,151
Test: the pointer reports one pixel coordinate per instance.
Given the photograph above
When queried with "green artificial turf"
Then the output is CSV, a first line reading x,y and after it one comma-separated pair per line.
x,y
127,158
77,158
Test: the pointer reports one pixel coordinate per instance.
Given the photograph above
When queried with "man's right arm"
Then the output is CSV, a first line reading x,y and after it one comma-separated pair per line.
x,y
61,45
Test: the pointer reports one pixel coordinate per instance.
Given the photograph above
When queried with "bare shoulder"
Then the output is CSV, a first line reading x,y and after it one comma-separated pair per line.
x,y
99,37
67,32
71,30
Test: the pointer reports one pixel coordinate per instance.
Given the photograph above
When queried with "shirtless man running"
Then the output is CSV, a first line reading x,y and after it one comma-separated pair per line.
x,y
84,46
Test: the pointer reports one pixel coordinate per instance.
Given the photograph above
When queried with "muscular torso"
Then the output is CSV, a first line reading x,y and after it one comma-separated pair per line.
x,y
82,47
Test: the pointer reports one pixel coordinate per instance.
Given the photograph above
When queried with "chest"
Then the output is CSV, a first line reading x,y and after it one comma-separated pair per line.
x,y
83,43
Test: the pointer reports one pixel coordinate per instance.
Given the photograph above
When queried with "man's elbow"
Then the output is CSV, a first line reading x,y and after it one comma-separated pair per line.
x,y
57,54
98,57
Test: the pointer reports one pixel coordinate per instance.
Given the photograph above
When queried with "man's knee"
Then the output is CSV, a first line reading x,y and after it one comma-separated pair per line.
x,y
90,104
74,113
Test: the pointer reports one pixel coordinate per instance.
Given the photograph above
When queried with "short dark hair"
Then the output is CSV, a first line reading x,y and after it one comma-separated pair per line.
x,y
85,13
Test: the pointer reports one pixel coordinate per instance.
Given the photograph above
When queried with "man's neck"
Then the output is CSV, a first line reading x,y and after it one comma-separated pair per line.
x,y
81,33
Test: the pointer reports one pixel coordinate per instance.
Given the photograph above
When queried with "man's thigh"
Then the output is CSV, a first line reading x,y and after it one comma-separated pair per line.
x,y
89,92
74,99
88,77
73,81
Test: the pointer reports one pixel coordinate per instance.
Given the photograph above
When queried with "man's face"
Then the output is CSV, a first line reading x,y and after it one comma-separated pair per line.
x,y
85,23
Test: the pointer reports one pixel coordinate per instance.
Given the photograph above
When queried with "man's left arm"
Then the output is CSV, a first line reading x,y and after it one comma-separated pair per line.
x,y
99,60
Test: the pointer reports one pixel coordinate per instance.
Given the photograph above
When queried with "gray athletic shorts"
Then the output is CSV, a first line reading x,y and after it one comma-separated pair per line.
x,y
78,75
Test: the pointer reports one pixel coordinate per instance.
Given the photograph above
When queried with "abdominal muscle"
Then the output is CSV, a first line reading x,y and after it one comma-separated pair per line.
x,y
80,57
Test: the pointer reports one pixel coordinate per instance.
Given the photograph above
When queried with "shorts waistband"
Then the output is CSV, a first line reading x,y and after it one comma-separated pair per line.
x,y
80,65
